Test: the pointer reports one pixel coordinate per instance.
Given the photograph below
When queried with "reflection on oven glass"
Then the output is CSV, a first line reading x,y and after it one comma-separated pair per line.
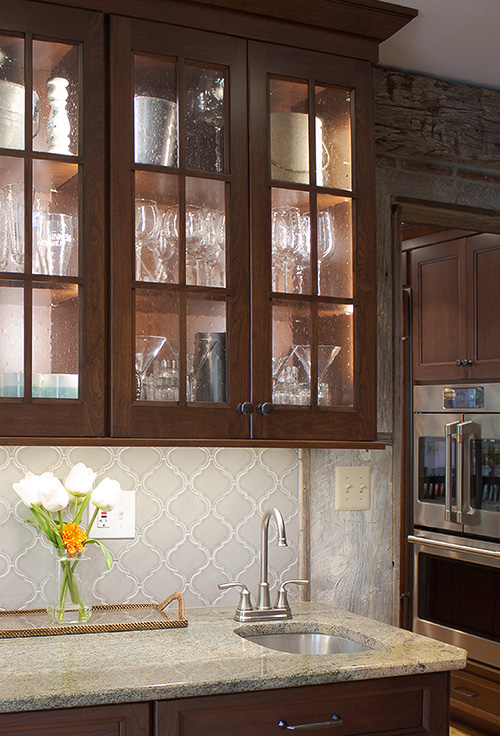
x,y
485,489
431,485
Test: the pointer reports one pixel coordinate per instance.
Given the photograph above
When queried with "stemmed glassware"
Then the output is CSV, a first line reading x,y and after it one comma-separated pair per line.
x,y
326,356
168,249
326,240
147,348
157,243
147,232
291,246
287,386
285,223
205,245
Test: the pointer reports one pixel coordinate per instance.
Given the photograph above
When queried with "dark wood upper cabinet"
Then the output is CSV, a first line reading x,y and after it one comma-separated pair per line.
x,y
220,282
454,302
52,233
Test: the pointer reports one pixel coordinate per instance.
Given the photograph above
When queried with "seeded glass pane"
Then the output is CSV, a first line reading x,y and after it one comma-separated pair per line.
x,y
205,232
11,214
55,218
205,118
55,98
156,346
155,111
206,357
292,331
291,241
156,227
11,339
289,130
56,341
12,93
336,355
333,137
335,248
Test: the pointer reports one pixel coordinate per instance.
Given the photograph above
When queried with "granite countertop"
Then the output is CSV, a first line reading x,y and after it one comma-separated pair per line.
x,y
205,658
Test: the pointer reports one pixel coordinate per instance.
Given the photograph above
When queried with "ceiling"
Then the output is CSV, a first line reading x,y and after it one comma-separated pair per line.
x,y
454,40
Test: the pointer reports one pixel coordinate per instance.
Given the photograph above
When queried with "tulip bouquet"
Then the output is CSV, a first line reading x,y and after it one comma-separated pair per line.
x,y
48,497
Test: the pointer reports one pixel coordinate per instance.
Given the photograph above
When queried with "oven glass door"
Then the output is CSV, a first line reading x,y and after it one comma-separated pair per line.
x,y
435,490
482,509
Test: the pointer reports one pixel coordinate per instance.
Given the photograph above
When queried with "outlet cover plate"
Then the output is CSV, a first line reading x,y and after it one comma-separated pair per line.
x,y
119,523
352,488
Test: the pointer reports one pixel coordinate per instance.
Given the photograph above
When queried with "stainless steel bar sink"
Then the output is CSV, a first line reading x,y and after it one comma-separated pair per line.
x,y
307,642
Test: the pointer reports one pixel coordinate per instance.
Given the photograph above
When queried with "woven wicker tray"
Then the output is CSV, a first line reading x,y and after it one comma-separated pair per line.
x,y
120,617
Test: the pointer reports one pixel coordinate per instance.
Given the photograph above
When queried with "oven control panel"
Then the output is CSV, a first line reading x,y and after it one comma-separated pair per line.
x,y
463,397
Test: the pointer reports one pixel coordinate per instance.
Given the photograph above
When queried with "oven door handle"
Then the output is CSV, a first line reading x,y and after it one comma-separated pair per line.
x,y
457,547
466,432
449,432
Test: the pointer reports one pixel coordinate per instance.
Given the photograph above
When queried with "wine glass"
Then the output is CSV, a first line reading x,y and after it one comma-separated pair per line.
x,y
168,248
147,348
326,236
147,231
205,240
285,244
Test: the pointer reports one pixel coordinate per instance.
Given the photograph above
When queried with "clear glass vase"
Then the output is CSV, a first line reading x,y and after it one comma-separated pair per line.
x,y
69,588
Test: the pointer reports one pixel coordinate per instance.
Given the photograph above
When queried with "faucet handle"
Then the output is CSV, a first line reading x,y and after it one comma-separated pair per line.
x,y
245,603
282,600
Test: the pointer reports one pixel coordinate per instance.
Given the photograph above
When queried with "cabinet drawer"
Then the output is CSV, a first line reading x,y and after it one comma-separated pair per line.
x,y
390,706
471,693
102,720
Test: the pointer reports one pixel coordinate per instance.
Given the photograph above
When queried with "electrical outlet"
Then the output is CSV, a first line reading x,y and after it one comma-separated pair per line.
x,y
352,488
119,523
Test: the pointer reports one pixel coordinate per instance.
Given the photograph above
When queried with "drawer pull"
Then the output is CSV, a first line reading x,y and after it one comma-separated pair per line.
x,y
336,720
464,691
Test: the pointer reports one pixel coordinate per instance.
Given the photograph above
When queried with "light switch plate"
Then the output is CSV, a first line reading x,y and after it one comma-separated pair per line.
x,y
119,523
352,488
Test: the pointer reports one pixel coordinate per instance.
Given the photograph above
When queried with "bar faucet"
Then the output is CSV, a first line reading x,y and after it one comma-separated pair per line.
x,y
263,601
263,611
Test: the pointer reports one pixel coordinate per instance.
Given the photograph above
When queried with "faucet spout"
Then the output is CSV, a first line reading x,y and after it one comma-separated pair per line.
x,y
264,601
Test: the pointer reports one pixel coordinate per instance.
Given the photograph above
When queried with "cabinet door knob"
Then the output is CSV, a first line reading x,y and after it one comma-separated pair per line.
x,y
265,408
244,407
469,362
458,362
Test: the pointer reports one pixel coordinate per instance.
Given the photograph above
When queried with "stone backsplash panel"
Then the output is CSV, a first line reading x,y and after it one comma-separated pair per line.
x,y
198,516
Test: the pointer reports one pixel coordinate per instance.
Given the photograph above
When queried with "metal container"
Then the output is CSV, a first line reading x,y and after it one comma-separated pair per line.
x,y
155,131
11,115
290,147
209,366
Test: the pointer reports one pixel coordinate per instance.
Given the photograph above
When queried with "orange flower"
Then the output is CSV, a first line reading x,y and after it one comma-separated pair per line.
x,y
73,538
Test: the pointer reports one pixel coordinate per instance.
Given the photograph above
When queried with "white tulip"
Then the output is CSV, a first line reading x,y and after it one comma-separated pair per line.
x,y
28,490
53,495
106,494
80,480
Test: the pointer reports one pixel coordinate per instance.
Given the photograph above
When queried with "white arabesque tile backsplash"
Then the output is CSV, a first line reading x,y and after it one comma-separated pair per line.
x,y
198,515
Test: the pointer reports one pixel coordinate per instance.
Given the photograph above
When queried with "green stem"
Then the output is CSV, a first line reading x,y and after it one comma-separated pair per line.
x,y
69,584
94,515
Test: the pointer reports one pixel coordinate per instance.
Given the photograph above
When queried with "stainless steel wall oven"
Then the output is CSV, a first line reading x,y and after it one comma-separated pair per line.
x,y
456,514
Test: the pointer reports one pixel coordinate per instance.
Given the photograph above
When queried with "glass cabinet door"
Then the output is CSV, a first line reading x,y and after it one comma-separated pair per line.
x,y
51,223
180,243
313,309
